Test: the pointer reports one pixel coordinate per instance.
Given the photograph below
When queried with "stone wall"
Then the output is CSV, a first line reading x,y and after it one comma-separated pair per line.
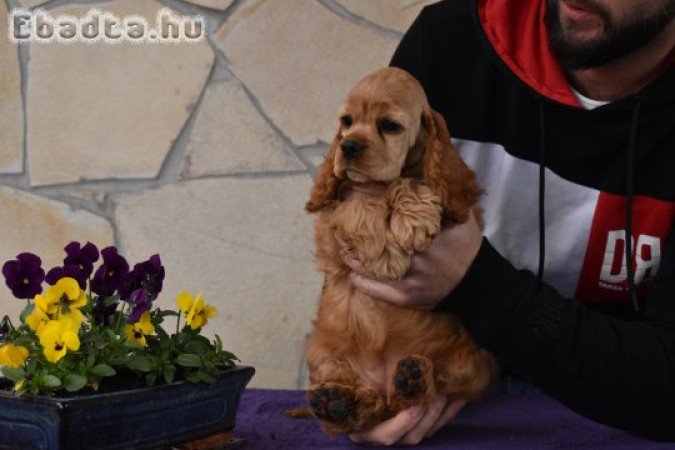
x,y
201,152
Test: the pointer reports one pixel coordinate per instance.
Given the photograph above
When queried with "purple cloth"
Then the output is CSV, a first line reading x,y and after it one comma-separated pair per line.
x,y
503,422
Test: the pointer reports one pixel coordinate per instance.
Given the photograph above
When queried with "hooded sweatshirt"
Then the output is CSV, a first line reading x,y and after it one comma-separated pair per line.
x,y
550,292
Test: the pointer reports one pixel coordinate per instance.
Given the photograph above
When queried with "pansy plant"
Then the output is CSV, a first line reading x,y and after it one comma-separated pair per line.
x,y
91,323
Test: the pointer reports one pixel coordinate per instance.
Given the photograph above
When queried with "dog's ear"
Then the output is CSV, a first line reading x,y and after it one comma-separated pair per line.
x,y
326,184
444,171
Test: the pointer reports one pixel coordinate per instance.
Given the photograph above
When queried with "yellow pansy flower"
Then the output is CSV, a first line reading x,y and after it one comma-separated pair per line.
x,y
38,318
136,332
13,355
62,297
195,310
59,336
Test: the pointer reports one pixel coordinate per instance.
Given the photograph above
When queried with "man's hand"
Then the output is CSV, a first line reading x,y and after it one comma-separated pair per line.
x,y
433,273
411,426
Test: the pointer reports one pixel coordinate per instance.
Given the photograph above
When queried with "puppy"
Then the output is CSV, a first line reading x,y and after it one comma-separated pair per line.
x,y
389,179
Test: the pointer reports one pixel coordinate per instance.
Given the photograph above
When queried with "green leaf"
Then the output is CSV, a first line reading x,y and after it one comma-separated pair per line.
x,y
140,363
51,381
228,356
13,373
24,340
169,372
197,347
91,359
31,365
74,382
206,377
132,344
219,344
189,360
102,370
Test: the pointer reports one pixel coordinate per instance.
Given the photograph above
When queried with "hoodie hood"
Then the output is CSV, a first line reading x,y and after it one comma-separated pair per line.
x,y
518,33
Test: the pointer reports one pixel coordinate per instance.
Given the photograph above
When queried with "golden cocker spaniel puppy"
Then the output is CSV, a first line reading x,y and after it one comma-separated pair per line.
x,y
389,179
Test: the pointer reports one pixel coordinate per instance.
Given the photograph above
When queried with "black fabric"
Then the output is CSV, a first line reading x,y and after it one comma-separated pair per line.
x,y
611,369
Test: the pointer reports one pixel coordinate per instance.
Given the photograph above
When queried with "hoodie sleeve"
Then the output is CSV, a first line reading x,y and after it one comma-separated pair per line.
x,y
618,372
613,371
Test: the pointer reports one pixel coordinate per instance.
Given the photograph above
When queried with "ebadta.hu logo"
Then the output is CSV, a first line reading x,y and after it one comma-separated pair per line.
x,y
102,26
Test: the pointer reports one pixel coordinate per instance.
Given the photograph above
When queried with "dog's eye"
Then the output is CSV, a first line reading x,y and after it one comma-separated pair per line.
x,y
346,121
389,126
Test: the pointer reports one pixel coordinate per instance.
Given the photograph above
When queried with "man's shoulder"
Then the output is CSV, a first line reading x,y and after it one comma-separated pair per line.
x,y
448,9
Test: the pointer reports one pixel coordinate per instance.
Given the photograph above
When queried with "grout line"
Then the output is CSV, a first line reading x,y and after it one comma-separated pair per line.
x,y
343,12
117,239
175,157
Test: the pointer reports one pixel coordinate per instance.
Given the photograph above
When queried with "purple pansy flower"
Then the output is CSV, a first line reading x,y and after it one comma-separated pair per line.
x,y
68,270
84,257
24,276
110,274
141,300
147,275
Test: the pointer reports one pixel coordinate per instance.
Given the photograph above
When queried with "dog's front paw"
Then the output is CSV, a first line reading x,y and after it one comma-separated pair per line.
x,y
391,264
415,216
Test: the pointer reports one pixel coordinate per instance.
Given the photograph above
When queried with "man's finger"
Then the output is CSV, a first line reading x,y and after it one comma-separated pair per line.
x,y
449,413
419,432
390,431
387,291
353,263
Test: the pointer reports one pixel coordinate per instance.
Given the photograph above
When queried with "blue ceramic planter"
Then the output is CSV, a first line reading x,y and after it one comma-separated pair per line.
x,y
147,417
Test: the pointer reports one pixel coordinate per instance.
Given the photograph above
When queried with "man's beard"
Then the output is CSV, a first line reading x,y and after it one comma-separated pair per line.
x,y
615,42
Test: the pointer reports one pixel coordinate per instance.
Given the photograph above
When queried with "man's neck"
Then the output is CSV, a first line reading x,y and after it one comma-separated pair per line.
x,y
629,74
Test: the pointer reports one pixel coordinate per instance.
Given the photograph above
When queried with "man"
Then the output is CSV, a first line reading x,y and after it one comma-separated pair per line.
x,y
565,109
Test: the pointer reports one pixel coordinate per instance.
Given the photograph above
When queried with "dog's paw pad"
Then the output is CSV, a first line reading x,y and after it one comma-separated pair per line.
x,y
331,404
408,378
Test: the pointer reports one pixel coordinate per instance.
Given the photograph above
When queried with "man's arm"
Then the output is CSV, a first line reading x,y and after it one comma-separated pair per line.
x,y
613,371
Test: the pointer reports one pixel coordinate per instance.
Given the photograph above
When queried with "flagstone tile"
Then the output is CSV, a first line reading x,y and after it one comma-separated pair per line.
x,y
230,136
393,14
109,111
213,4
11,107
247,245
42,226
32,3
299,59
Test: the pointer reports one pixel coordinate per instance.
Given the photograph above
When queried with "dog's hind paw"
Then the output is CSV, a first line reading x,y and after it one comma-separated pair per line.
x,y
412,383
331,402
408,377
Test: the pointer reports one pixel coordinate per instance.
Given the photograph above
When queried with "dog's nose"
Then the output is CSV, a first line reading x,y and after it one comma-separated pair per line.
x,y
351,149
